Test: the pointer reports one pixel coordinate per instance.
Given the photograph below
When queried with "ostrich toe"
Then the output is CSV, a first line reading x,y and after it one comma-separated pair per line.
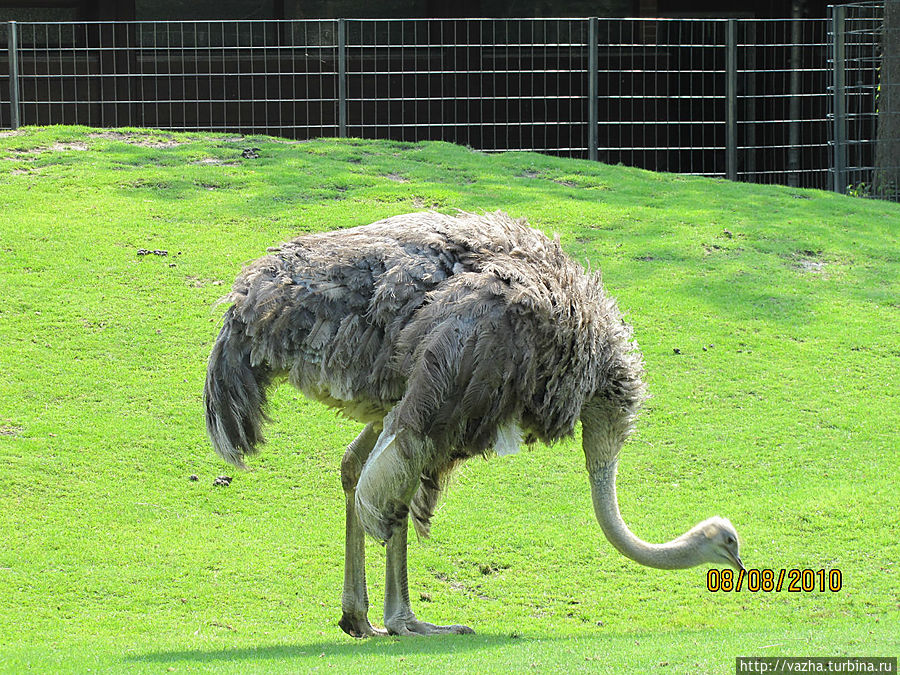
x,y
412,626
359,627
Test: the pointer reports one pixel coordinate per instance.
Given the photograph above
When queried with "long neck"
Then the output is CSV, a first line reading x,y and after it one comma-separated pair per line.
x,y
676,554
604,430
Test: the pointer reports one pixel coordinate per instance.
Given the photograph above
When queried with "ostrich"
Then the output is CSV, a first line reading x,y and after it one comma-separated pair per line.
x,y
448,337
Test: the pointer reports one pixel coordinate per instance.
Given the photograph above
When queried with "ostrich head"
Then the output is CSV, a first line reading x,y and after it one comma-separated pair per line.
x,y
716,542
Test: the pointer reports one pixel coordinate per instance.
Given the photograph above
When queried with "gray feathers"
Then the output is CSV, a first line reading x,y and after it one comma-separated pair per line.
x,y
464,324
235,394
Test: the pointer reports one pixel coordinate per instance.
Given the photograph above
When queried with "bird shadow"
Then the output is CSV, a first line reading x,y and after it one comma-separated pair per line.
x,y
336,649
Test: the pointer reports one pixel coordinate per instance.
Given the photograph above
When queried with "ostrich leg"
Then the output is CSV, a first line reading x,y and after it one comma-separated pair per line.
x,y
386,486
398,615
355,598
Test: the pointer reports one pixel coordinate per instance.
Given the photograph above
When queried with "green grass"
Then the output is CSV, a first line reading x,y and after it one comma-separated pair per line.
x,y
780,412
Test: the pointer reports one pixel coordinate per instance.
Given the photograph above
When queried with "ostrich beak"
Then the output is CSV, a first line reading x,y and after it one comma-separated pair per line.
x,y
736,561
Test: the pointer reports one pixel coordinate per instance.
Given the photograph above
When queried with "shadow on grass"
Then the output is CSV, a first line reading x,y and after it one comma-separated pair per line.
x,y
391,646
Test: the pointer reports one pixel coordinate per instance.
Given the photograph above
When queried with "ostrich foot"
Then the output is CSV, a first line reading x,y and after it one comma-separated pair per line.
x,y
412,626
359,627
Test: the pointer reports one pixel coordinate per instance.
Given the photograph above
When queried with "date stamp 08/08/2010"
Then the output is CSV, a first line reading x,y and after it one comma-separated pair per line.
x,y
774,581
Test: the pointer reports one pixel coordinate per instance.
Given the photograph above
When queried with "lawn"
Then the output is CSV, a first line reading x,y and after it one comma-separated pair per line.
x,y
768,318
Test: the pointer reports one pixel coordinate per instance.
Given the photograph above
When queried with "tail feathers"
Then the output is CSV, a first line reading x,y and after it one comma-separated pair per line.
x,y
235,395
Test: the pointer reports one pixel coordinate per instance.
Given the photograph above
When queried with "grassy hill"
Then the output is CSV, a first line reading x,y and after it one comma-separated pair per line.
x,y
768,320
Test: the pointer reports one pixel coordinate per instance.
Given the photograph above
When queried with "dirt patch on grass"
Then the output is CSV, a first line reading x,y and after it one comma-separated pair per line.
x,y
94,325
7,428
396,177
77,146
809,262
148,184
197,282
29,154
812,266
24,154
710,249
210,186
468,589
143,140
11,132
421,203
215,161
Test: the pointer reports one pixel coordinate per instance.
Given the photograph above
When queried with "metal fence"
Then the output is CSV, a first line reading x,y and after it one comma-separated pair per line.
x,y
855,69
755,100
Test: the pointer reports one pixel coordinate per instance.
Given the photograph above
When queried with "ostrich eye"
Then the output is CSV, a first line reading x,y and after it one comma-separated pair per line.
x,y
730,540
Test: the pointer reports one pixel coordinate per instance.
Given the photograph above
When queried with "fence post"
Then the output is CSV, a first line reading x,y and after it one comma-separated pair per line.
x,y
731,100
593,113
14,112
840,111
342,78
796,63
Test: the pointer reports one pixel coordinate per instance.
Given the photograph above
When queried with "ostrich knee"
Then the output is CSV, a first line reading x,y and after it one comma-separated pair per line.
x,y
351,467
387,483
355,457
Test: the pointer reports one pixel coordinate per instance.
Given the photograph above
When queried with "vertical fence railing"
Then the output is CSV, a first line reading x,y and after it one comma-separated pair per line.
x,y
731,84
839,97
4,75
777,101
13,47
592,99
342,77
